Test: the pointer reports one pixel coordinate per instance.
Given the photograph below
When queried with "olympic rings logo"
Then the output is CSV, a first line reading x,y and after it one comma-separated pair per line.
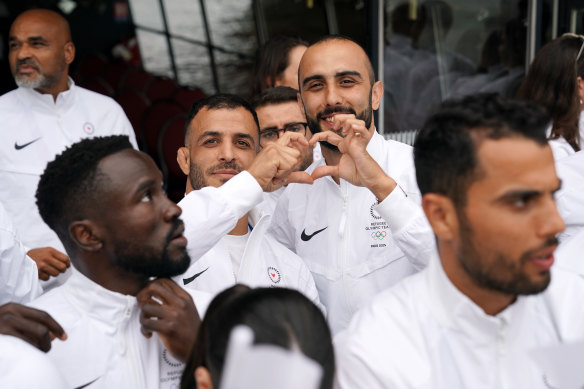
x,y
378,235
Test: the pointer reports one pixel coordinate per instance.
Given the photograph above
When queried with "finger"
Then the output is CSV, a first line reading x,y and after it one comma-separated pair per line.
x,y
299,178
148,311
59,255
57,264
45,319
323,171
327,136
289,137
50,270
43,275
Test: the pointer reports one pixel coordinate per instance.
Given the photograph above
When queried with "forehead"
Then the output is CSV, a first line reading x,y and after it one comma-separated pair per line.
x,y
331,57
513,164
224,121
126,170
36,24
279,114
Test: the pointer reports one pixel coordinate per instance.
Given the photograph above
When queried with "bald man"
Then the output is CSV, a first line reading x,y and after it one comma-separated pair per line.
x,y
44,115
359,227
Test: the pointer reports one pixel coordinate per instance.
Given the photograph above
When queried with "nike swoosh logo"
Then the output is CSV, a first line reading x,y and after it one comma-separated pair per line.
x,y
20,147
306,238
187,281
87,384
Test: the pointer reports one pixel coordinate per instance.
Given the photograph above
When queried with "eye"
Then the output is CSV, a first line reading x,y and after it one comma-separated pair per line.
x,y
347,82
13,45
269,135
296,127
210,142
524,201
242,143
146,197
315,86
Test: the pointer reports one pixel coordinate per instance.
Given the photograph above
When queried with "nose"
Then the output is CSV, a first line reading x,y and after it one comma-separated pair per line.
x,y
332,95
226,152
22,51
171,210
551,222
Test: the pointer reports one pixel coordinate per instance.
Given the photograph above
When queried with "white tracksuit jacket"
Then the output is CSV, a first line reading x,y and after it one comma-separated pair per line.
x,y
425,334
265,263
354,246
570,198
104,344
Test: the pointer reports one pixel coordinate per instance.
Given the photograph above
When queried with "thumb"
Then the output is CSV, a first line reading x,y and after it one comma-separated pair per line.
x,y
323,171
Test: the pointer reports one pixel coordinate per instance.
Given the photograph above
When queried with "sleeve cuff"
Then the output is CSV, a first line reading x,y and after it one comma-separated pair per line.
x,y
397,210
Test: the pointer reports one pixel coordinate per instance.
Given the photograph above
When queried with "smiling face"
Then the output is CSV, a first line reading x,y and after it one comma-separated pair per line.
x,y
508,226
143,232
40,51
222,142
335,77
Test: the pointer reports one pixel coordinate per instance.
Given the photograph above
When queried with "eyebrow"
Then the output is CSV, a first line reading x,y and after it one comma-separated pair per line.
x,y
284,125
145,185
526,193
337,75
217,133
32,38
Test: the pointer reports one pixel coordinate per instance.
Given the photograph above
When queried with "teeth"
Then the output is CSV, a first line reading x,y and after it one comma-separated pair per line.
x,y
330,119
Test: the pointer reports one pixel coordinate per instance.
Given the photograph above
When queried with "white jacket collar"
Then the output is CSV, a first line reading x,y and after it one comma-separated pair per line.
x,y
64,100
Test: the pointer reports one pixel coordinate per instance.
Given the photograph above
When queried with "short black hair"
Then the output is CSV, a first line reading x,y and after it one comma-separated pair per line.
x,y
445,149
219,101
276,95
70,184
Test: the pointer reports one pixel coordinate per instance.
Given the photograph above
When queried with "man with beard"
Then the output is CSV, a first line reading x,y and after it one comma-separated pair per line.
x,y
473,318
361,229
106,203
221,141
45,114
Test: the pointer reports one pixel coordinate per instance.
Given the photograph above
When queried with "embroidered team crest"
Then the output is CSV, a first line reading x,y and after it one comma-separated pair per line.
x,y
88,128
274,274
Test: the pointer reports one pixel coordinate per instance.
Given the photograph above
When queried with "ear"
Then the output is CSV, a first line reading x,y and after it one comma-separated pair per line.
x,y
441,213
580,83
203,378
69,52
376,94
86,235
183,157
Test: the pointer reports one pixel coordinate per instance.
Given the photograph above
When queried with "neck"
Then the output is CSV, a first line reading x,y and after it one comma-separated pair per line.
x,y
111,278
492,302
54,90
241,228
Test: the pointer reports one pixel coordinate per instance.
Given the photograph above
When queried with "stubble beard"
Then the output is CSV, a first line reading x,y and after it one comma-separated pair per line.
x,y
42,81
197,177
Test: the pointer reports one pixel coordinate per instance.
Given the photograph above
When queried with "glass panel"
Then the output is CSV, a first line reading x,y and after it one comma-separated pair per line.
x,y
185,19
440,49
351,19
147,13
234,73
299,17
192,62
154,53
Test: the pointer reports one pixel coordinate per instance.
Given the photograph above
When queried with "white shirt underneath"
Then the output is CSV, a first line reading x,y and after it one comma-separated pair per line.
x,y
236,247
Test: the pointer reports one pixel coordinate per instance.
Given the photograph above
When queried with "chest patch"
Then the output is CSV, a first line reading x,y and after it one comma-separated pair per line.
x,y
274,275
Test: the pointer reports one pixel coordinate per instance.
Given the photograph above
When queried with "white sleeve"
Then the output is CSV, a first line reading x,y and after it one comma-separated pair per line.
x,y
210,213
280,227
19,280
411,230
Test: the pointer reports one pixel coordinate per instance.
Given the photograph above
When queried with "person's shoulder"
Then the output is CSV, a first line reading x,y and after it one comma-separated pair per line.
x,y
56,304
95,98
8,99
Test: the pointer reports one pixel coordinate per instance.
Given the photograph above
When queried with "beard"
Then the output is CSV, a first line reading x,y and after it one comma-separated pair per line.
x,y
500,273
197,177
142,259
365,115
41,81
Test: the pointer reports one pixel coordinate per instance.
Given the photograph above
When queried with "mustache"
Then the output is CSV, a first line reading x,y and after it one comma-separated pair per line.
x,y
550,242
177,224
337,109
225,165
27,61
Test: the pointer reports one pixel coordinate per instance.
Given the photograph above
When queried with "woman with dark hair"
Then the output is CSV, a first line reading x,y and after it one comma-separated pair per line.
x,y
277,316
554,81
277,63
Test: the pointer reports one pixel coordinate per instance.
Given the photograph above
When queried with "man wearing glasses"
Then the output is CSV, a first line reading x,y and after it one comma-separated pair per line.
x,y
278,112
221,145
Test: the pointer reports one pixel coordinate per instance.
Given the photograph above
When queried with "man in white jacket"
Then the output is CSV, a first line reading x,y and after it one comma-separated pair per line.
x,y
476,316
221,141
124,330
361,229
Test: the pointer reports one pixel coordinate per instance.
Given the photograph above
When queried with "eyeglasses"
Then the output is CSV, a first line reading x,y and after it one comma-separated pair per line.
x,y
271,134
572,35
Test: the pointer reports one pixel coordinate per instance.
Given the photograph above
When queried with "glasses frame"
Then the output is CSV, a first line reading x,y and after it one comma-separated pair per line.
x,y
284,129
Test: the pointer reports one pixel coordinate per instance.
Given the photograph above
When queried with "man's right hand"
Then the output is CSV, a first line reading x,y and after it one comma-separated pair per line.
x,y
31,325
50,262
275,165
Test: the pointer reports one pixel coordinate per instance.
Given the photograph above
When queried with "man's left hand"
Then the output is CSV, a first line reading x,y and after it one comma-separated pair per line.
x,y
169,310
